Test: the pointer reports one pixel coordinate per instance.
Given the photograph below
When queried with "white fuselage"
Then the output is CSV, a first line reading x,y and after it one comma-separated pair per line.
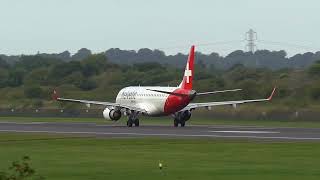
x,y
140,97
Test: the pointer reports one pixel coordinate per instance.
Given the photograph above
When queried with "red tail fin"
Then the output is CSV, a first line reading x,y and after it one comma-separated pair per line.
x,y
55,95
188,72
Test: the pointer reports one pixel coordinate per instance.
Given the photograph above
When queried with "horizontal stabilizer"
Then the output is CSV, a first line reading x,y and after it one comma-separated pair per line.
x,y
216,92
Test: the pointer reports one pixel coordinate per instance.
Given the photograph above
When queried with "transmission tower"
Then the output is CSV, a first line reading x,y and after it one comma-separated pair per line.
x,y
251,37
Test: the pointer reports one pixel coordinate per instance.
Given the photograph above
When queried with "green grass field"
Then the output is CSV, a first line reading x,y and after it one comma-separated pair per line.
x,y
68,158
168,121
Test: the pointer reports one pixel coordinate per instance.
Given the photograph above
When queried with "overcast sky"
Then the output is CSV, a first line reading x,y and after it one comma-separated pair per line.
x,y
28,26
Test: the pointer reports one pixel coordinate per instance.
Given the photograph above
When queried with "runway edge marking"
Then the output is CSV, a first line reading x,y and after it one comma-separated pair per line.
x,y
247,132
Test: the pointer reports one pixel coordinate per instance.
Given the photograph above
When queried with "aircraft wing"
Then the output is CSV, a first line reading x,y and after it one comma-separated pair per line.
x,y
108,104
88,102
55,96
193,106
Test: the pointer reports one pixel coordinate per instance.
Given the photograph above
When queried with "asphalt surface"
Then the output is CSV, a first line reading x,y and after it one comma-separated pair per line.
x,y
226,132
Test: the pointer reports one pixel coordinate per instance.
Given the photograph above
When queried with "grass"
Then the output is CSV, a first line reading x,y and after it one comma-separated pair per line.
x,y
168,121
68,158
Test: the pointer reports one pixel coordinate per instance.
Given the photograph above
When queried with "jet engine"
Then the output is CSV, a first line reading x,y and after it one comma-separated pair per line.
x,y
111,114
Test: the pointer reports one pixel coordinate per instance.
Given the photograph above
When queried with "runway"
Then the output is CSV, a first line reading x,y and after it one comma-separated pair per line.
x,y
216,132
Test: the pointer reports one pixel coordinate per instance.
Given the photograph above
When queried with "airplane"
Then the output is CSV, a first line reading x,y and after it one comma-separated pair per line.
x,y
135,101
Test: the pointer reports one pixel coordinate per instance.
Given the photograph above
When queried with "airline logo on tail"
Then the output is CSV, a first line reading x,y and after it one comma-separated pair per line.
x,y
188,72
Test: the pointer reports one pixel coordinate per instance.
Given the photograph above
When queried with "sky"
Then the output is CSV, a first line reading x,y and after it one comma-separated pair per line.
x,y
53,26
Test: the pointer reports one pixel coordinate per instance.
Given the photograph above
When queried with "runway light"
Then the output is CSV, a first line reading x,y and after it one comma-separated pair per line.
x,y
160,165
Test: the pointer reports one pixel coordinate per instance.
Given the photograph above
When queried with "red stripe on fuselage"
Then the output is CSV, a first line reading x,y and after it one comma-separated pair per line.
x,y
176,103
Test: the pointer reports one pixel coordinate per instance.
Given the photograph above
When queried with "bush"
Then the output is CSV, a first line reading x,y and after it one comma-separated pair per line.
x,y
93,65
314,69
20,170
315,93
33,92
3,77
88,85
16,77
37,104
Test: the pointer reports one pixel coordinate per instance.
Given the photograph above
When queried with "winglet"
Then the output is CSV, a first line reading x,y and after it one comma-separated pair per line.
x,y
55,95
270,97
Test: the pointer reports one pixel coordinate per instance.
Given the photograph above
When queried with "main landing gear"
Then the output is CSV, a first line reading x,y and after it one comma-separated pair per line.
x,y
181,118
133,120
176,122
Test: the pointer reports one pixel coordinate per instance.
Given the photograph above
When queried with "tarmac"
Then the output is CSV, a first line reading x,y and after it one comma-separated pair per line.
x,y
194,131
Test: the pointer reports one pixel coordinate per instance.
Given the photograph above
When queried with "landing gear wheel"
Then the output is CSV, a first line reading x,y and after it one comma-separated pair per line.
x,y
175,123
136,123
182,123
129,122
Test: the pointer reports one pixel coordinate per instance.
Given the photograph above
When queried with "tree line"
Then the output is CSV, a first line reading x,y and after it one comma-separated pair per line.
x,y
274,60
28,82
